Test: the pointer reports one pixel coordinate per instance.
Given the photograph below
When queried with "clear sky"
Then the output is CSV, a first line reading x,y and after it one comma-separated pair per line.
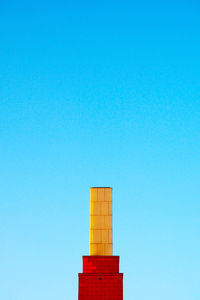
x,y
99,93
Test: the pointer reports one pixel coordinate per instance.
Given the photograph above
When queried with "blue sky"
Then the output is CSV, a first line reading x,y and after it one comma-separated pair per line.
x,y
99,93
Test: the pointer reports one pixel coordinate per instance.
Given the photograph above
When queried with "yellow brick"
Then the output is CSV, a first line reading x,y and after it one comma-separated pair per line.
x,y
99,208
101,221
93,194
108,194
91,207
104,236
100,194
97,222
100,249
108,249
95,209
110,208
91,236
93,249
95,236
110,236
96,249
108,222
104,208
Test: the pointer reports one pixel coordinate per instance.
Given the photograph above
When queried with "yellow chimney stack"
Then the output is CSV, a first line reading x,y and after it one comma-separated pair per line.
x,y
101,221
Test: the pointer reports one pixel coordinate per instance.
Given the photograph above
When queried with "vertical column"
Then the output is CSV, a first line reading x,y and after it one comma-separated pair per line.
x,y
101,221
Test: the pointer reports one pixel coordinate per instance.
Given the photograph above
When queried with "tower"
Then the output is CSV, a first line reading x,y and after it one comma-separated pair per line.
x,y
100,279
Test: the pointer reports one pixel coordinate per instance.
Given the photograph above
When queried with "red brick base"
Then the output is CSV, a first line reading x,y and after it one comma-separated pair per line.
x,y
100,279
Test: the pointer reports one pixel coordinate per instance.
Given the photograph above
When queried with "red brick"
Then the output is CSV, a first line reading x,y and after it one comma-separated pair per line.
x,y
100,264
100,279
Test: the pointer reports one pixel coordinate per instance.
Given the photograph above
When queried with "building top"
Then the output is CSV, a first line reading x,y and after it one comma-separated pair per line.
x,y
101,221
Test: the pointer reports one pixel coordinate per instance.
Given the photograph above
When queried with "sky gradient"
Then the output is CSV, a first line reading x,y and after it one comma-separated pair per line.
x,y
99,93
